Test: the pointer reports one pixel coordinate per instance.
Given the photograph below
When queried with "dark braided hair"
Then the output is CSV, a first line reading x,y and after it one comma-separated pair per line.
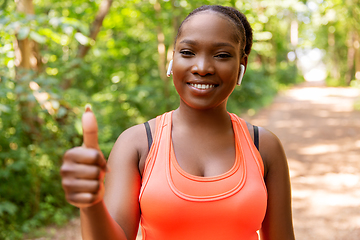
x,y
244,33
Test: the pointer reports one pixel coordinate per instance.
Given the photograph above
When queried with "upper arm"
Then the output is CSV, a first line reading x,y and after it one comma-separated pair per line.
x,y
277,224
123,182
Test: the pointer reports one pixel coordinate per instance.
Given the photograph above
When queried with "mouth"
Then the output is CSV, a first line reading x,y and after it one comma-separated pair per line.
x,y
202,86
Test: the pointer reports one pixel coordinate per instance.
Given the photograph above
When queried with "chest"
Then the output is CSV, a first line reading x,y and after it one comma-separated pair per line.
x,y
204,155
229,203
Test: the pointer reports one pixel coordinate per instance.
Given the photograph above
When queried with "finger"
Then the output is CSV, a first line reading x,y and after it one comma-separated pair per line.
x,y
83,155
81,171
90,129
84,198
81,186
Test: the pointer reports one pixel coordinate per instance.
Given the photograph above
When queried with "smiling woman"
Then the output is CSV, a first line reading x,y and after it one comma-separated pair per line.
x,y
198,172
206,54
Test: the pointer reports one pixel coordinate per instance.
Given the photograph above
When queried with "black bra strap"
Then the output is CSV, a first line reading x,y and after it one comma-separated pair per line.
x,y
148,133
256,137
150,140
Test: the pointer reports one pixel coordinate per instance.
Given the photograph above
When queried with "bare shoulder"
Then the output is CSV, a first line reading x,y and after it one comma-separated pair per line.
x,y
270,148
132,145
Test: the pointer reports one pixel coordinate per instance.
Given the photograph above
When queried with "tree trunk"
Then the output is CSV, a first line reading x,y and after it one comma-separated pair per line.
x,y
162,56
350,58
357,57
334,66
24,47
27,60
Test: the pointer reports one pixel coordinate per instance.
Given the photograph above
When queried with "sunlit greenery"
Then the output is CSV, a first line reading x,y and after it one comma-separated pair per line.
x,y
122,76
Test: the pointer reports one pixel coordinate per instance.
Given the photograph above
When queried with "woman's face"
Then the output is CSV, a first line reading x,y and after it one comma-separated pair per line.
x,y
206,61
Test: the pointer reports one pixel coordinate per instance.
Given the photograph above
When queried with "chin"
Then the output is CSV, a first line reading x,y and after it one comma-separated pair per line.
x,y
203,106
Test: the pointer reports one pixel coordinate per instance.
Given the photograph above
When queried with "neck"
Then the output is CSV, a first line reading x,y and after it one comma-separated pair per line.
x,y
214,118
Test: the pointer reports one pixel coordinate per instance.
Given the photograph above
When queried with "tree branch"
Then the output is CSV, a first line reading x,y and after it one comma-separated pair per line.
x,y
96,25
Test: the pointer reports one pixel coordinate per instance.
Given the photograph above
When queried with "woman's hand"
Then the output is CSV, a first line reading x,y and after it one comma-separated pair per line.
x,y
84,168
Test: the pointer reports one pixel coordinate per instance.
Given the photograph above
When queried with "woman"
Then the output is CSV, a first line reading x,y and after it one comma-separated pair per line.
x,y
201,177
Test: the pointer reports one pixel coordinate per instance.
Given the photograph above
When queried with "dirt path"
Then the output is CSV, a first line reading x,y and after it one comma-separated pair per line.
x,y
320,132
321,136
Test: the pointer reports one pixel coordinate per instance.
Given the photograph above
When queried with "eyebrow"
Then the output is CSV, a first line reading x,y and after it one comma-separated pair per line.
x,y
218,44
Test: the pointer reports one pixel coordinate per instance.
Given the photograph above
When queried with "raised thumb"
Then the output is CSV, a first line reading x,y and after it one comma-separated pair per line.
x,y
90,129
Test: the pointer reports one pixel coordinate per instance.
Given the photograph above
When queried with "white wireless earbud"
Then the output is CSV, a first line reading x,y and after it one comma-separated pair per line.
x,y
242,71
168,73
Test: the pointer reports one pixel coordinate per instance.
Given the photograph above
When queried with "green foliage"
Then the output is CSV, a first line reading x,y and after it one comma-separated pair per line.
x,y
40,109
260,86
335,27
30,193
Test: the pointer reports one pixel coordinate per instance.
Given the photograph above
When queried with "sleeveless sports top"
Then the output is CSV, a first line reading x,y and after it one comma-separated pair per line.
x,y
177,205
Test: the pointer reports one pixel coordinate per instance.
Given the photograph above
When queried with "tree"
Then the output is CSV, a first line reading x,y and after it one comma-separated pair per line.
x,y
338,24
55,56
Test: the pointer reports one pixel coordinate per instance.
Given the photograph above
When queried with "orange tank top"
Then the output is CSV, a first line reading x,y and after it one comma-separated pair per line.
x,y
177,205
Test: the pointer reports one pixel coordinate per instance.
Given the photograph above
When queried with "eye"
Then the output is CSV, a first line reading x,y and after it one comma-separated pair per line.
x,y
186,53
223,55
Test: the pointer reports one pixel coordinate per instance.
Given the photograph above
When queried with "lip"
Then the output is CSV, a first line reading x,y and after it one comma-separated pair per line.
x,y
202,87
199,81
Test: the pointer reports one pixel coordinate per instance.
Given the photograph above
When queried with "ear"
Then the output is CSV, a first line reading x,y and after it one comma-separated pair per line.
x,y
241,75
168,73
243,64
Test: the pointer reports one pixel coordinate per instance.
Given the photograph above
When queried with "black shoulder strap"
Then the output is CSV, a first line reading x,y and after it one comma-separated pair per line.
x,y
150,140
148,133
256,137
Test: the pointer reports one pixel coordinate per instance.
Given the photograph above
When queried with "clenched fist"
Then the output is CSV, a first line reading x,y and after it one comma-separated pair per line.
x,y
84,168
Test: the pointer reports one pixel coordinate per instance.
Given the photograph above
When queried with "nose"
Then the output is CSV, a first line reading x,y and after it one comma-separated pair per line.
x,y
203,66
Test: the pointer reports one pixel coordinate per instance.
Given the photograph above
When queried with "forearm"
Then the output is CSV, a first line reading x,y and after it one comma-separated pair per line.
x,y
97,224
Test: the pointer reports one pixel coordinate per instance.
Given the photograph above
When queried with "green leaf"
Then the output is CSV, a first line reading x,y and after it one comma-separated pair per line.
x,y
19,89
7,207
23,33
4,108
4,20
47,32
62,112
37,37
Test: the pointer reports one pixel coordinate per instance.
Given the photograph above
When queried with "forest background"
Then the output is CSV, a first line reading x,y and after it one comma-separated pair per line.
x,y
56,56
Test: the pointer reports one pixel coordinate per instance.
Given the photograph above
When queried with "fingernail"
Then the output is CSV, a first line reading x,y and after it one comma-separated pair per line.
x,y
88,107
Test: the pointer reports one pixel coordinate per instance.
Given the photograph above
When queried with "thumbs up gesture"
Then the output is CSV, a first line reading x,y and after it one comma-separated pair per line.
x,y
84,168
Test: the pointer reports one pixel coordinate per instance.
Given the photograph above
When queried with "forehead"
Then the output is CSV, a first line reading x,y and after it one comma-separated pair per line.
x,y
209,26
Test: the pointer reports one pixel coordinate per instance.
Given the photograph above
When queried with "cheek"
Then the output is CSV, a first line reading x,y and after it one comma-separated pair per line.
x,y
230,72
180,70
178,84
180,66
176,77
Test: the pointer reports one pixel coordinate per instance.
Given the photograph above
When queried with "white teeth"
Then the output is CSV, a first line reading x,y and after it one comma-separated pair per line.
x,y
202,86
